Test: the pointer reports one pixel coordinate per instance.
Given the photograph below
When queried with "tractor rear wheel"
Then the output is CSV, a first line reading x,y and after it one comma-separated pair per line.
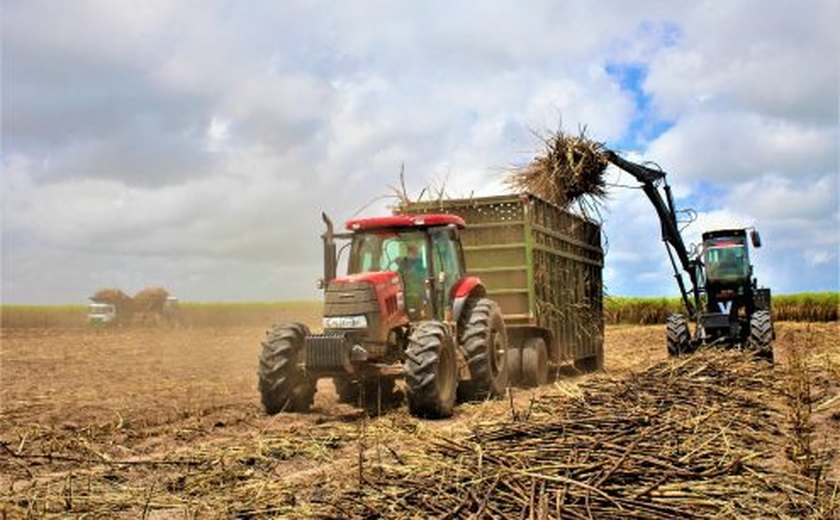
x,y
283,385
430,371
678,338
761,335
534,362
484,347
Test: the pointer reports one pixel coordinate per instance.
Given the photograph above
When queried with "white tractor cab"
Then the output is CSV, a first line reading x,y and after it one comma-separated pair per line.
x,y
102,314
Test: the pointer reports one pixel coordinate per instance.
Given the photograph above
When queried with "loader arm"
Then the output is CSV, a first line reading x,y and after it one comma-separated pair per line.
x,y
650,179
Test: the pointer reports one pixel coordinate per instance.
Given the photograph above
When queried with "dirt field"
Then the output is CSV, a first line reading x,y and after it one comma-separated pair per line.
x,y
167,424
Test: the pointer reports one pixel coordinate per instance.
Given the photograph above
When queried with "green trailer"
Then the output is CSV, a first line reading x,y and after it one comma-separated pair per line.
x,y
543,266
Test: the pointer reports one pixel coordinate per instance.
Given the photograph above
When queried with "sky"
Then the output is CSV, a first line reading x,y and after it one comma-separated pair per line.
x,y
194,144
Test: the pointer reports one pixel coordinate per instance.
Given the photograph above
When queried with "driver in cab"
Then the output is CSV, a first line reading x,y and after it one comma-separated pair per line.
x,y
413,272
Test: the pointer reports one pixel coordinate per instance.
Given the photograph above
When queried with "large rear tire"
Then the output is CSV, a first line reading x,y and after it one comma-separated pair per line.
x,y
761,335
430,371
678,339
283,385
484,347
534,362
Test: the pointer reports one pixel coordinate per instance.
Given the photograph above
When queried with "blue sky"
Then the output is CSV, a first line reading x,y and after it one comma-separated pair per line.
x,y
194,144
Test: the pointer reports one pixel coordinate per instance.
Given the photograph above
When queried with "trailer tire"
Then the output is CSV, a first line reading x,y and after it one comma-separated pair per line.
x,y
761,335
484,347
430,371
534,362
283,385
514,364
678,339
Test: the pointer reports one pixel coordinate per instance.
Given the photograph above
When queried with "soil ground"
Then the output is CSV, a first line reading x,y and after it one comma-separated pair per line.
x,y
168,424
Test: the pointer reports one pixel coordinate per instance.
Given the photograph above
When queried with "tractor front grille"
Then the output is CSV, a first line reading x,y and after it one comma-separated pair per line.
x,y
329,351
350,298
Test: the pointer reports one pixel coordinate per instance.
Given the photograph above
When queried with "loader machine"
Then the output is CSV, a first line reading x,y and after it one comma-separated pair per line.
x,y
723,299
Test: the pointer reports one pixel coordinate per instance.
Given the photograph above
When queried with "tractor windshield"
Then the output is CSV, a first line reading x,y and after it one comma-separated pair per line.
x,y
388,251
402,252
726,263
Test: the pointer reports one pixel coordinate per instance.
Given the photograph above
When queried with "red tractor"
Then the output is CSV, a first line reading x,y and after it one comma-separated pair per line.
x,y
405,309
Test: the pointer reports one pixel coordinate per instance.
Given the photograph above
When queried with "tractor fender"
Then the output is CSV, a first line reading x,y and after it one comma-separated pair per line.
x,y
466,288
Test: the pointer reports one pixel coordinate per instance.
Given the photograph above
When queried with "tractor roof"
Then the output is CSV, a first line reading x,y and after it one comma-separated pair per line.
x,y
725,233
404,221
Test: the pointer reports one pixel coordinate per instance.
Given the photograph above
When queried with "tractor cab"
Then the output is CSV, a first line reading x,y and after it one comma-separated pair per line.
x,y
731,295
423,252
726,257
402,270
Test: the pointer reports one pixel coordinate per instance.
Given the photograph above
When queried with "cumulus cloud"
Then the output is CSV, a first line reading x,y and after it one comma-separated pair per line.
x,y
195,144
733,147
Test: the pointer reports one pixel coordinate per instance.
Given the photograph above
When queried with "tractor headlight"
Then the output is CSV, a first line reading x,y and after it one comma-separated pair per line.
x,y
345,322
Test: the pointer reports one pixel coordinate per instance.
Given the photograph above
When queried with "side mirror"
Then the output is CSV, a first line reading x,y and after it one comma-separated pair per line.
x,y
755,238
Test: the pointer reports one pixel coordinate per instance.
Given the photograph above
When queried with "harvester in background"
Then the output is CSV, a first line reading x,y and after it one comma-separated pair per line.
x,y
152,306
722,298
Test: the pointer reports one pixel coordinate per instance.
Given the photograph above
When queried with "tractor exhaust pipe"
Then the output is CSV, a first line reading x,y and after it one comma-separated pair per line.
x,y
330,260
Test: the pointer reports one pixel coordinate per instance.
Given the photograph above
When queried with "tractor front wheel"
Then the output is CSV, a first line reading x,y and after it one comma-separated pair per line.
x,y
678,338
283,385
761,335
430,371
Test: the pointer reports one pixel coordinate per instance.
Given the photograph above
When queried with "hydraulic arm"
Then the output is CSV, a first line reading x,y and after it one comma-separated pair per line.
x,y
650,179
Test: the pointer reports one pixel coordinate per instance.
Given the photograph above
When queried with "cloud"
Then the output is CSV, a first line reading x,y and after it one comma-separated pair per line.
x,y
732,147
776,59
194,144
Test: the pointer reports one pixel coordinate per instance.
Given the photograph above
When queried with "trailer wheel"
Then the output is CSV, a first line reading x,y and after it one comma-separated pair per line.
x,y
514,364
761,335
430,371
678,340
484,346
282,384
534,362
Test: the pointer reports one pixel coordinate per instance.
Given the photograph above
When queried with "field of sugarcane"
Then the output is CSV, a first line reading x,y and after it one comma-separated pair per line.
x,y
811,307
167,423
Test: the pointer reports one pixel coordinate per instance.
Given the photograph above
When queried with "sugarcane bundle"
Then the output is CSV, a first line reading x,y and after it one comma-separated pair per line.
x,y
569,170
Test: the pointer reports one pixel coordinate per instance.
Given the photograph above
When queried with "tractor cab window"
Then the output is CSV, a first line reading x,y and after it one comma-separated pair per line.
x,y
726,263
401,252
387,251
446,263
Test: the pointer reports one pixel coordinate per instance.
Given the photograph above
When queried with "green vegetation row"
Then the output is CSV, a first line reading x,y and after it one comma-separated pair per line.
x,y
617,309
822,306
